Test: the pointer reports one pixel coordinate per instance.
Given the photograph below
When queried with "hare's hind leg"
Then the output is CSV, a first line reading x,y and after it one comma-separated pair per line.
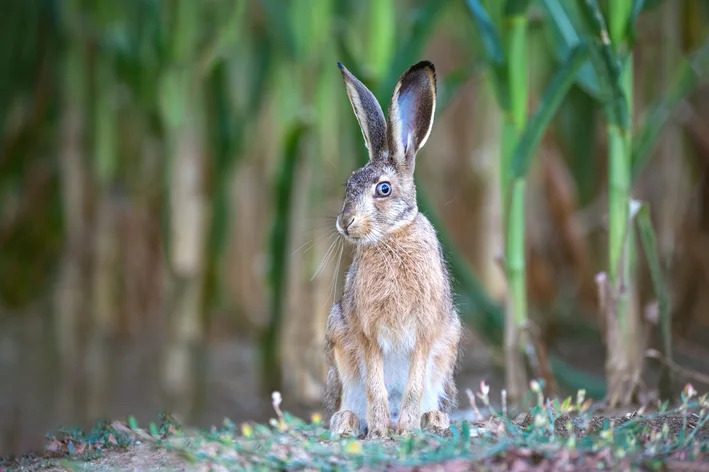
x,y
441,394
344,399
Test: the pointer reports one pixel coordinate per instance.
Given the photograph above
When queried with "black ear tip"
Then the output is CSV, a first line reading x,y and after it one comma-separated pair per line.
x,y
339,64
425,64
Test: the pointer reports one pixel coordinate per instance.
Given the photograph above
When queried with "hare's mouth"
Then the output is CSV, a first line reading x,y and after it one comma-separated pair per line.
x,y
355,230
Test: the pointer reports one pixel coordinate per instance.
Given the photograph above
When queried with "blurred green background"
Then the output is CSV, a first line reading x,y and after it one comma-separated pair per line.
x,y
170,170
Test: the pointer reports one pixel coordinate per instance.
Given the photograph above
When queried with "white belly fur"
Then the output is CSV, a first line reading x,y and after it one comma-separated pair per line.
x,y
396,373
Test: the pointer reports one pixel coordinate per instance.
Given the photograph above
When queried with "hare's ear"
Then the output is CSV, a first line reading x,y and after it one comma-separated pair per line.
x,y
411,112
368,112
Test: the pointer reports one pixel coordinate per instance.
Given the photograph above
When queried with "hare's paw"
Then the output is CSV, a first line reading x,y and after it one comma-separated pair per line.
x,y
436,422
378,431
345,423
379,424
408,421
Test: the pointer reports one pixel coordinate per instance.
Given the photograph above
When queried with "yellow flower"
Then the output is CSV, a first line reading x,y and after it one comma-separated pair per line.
x,y
246,430
353,447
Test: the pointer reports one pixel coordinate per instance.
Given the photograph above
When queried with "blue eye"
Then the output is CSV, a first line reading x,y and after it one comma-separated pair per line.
x,y
383,189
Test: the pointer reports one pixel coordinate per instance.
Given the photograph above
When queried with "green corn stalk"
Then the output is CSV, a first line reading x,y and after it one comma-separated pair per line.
x,y
614,60
510,68
104,238
285,181
182,114
508,65
611,84
225,136
513,201
382,35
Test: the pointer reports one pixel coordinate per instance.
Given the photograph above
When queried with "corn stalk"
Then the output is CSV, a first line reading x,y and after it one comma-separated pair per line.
x,y
105,244
513,199
72,165
508,66
182,115
614,61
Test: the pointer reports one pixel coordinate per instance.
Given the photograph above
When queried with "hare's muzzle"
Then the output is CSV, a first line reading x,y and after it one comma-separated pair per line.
x,y
344,221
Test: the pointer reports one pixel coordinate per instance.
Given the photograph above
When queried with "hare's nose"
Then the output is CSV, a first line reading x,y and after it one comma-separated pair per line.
x,y
346,220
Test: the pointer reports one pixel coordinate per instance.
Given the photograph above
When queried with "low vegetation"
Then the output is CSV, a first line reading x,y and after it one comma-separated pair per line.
x,y
567,435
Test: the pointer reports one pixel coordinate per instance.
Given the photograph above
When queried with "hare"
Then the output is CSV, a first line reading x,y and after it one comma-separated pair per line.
x,y
392,339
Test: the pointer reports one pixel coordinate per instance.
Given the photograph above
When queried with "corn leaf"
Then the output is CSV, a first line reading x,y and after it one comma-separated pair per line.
x,y
278,271
424,21
690,74
553,96
564,24
449,86
632,34
281,27
382,37
516,7
494,52
607,64
489,33
648,239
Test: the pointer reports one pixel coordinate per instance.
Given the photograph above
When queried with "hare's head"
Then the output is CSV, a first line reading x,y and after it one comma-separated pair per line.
x,y
380,198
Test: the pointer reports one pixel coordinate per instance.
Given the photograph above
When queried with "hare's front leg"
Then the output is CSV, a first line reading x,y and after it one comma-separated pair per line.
x,y
412,399
378,418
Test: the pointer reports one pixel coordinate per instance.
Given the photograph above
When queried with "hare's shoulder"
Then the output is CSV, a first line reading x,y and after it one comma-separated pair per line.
x,y
425,234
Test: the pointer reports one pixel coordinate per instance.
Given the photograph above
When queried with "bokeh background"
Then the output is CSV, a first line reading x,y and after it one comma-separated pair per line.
x,y
170,170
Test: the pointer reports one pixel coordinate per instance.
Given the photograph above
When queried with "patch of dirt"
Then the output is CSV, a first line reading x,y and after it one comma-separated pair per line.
x,y
139,457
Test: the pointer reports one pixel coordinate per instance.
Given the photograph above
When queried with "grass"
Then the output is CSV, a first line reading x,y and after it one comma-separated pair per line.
x,y
566,435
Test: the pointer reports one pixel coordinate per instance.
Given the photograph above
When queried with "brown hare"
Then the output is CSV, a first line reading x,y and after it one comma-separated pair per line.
x,y
392,340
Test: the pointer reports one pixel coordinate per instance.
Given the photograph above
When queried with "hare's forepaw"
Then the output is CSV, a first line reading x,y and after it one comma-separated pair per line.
x,y
379,423
378,432
408,421
436,422
344,423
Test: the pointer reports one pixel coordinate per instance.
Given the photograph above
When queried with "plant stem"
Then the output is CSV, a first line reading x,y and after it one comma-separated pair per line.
x,y
513,201
622,366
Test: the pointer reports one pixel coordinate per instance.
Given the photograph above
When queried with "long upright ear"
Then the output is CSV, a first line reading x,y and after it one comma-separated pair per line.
x,y
411,113
368,112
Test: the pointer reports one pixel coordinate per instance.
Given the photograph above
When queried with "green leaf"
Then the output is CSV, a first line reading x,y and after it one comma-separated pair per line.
x,y
493,51
607,65
281,27
450,85
488,30
348,58
516,7
690,74
382,36
565,37
648,239
638,7
278,270
424,22
553,96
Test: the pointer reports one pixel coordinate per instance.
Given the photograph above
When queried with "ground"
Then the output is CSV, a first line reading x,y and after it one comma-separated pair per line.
x,y
553,435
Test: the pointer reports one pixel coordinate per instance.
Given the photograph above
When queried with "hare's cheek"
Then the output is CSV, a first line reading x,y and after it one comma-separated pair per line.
x,y
384,206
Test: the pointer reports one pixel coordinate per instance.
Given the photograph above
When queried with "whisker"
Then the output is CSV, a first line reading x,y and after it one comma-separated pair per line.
x,y
301,247
329,235
337,271
324,261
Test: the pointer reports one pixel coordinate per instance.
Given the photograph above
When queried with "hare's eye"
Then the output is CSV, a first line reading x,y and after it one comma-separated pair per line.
x,y
383,189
